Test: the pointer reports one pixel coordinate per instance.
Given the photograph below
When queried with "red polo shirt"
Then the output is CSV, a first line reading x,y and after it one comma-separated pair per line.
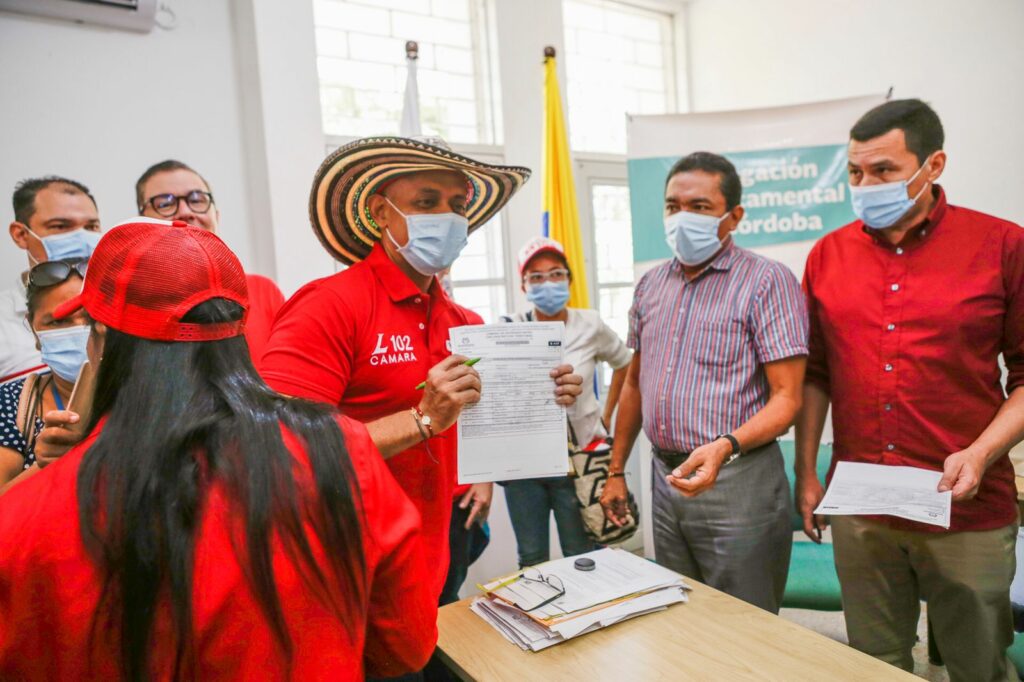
x,y
265,299
362,340
906,340
50,588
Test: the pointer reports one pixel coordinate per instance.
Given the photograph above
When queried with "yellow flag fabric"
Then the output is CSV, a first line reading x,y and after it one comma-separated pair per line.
x,y
561,220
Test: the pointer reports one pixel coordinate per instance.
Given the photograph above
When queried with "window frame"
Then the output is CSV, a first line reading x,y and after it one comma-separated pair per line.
x,y
486,74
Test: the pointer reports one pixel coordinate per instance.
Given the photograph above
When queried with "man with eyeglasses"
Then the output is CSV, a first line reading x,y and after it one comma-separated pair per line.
x,y
171,190
55,218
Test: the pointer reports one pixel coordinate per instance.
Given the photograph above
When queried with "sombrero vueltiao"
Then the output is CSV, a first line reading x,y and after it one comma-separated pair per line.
x,y
345,180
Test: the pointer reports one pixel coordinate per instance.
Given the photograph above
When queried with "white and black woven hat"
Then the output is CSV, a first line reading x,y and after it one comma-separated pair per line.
x,y
338,207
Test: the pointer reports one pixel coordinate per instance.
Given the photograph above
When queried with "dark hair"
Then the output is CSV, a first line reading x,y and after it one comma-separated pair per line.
x,y
920,125
162,167
208,419
728,178
24,199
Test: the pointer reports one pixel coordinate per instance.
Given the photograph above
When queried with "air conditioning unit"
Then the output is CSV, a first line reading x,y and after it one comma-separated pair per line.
x,y
131,15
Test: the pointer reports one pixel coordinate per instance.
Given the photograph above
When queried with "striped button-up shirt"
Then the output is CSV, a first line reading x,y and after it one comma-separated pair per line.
x,y
704,343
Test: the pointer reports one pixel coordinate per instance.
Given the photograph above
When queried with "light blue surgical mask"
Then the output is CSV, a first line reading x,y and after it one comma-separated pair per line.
x,y
693,237
435,240
881,206
63,350
78,243
550,297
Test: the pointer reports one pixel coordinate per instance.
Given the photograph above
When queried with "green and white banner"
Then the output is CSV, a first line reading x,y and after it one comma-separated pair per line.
x,y
791,162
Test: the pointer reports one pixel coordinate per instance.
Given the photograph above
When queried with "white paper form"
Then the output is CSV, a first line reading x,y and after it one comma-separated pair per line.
x,y
517,430
907,492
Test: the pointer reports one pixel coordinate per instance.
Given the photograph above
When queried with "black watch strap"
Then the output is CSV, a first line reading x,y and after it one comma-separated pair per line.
x,y
732,439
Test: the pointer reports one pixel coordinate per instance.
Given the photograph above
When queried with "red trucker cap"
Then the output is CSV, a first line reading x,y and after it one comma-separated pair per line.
x,y
144,276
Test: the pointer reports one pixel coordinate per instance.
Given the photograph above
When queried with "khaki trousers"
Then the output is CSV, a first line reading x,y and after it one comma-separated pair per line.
x,y
965,578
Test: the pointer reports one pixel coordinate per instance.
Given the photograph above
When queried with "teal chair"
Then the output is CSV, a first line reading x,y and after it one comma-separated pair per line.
x,y
812,582
1016,653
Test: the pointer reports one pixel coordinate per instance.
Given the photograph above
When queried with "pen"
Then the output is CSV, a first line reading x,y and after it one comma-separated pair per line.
x,y
467,363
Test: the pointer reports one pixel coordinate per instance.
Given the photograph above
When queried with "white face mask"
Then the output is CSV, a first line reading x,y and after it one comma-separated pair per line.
x,y
693,237
435,240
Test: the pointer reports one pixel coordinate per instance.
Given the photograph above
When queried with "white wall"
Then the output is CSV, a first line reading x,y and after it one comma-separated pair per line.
x,y
101,105
965,58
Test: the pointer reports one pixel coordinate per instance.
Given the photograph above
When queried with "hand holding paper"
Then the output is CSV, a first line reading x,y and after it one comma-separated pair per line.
x,y
961,474
907,492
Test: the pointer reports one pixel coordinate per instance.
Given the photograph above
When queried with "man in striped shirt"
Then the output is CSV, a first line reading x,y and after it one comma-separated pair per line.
x,y
720,341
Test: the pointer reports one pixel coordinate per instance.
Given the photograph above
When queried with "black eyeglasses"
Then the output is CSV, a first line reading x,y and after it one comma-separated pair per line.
x,y
56,271
532,575
167,204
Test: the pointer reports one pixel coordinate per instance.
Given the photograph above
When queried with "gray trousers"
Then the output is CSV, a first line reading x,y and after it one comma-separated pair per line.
x,y
735,537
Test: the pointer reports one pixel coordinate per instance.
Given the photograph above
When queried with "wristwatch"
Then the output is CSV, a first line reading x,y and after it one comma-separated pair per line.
x,y
735,447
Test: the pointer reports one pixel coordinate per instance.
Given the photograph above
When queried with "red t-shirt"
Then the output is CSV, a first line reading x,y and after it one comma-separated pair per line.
x,y
362,340
265,299
906,341
461,490
50,588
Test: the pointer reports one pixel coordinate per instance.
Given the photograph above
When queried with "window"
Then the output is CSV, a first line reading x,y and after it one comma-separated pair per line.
x,y
613,244
619,59
478,275
361,62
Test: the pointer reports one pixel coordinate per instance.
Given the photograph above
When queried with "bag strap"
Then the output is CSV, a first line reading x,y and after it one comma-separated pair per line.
x,y
28,404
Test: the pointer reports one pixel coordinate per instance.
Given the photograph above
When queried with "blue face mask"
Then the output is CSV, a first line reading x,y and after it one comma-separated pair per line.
x,y
78,243
881,206
63,350
550,297
435,240
693,237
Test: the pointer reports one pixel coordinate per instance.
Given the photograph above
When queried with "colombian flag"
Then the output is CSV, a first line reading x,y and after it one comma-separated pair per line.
x,y
561,220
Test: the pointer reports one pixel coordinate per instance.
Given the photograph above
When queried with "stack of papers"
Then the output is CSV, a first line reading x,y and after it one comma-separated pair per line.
x,y
621,586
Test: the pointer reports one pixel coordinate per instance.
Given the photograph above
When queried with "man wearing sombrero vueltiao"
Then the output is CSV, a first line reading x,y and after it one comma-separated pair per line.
x,y
398,211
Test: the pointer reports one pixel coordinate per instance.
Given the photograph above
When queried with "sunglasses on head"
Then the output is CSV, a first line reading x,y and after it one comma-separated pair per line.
x,y
56,271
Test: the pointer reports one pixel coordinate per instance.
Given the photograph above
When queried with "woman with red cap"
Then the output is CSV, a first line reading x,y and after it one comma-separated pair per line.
x,y
207,527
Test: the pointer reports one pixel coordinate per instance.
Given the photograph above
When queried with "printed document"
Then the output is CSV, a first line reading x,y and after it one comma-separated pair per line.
x,y
907,492
517,430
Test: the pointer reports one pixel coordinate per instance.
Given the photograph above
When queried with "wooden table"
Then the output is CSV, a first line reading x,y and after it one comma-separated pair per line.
x,y
713,637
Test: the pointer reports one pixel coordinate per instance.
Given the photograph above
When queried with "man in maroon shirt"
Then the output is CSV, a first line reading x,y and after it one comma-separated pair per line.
x,y
911,307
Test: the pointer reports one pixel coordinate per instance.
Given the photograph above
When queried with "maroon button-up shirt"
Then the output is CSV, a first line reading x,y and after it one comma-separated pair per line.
x,y
906,339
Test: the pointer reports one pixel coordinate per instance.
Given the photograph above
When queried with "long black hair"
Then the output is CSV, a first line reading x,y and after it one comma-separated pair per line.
x,y
181,417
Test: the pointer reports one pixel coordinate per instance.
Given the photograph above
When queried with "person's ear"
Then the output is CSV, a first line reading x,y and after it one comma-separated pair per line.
x,y
17,231
733,221
935,165
97,340
378,210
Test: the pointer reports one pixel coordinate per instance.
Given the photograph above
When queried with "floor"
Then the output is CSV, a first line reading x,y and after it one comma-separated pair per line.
x,y
830,624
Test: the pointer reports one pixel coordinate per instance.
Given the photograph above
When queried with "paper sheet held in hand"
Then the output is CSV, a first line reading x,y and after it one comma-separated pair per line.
x,y
517,430
907,492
